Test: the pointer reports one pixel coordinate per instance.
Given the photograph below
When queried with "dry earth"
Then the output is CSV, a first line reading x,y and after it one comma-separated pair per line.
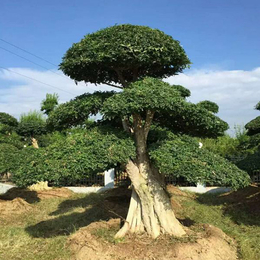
x,y
212,244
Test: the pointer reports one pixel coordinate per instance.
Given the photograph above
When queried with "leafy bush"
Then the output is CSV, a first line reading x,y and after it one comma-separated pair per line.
x,y
8,157
181,156
32,124
251,163
12,139
7,123
68,161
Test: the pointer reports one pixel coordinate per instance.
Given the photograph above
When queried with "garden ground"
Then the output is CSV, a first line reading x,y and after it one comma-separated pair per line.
x,y
58,224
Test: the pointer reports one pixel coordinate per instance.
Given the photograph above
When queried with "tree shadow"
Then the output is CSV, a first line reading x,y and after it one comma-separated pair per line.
x,y
242,206
27,195
73,214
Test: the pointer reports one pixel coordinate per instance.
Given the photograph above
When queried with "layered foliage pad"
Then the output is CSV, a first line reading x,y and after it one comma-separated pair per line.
x,y
77,111
173,111
127,50
7,123
253,127
31,124
209,105
181,156
72,158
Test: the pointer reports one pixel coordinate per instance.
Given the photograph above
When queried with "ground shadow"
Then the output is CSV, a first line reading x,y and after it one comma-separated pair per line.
x,y
242,206
27,195
73,214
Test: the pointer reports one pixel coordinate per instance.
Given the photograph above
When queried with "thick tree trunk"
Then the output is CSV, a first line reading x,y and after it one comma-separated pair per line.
x,y
150,207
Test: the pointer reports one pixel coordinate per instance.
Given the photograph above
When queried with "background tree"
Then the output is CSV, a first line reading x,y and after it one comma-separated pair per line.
x,y
32,125
130,57
49,103
251,162
8,123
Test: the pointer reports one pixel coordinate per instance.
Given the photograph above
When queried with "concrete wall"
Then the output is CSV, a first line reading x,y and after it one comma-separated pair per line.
x,y
199,189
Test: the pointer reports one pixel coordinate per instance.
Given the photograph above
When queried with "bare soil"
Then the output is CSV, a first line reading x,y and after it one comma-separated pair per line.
x,y
35,196
211,244
13,207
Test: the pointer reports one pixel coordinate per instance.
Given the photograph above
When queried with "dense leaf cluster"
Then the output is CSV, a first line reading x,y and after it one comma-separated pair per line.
x,y
209,105
8,157
49,103
31,124
69,160
181,156
7,123
253,127
127,51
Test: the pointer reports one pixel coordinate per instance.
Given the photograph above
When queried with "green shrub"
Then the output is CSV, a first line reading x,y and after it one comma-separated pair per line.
x,y
8,157
181,156
69,160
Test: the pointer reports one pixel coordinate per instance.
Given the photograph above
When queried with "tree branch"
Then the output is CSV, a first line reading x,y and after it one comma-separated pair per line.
x,y
148,122
112,85
120,76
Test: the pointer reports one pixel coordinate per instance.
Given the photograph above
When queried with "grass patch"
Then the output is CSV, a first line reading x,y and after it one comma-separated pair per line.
x,y
42,232
211,209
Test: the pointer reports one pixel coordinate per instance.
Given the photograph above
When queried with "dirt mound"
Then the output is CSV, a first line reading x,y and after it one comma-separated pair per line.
x,y
247,198
212,244
15,206
35,196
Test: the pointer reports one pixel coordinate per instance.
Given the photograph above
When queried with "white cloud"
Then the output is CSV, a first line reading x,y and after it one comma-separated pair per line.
x,y
236,92
24,94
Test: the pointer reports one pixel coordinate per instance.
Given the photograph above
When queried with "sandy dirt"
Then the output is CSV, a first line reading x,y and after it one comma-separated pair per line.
x,y
13,207
212,244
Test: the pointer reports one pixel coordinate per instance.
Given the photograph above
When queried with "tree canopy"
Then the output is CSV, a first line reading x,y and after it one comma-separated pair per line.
x,y
8,123
122,54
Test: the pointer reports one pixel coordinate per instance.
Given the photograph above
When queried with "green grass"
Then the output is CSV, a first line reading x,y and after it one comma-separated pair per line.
x,y
42,233
234,222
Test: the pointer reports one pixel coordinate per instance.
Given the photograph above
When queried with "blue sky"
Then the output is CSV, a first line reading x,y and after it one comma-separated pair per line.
x,y
218,36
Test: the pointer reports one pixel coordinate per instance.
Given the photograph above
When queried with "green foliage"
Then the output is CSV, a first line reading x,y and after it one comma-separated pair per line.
x,y
12,139
8,157
49,103
31,124
251,163
181,156
209,105
173,110
257,107
69,160
124,51
77,111
147,94
224,146
7,123
253,127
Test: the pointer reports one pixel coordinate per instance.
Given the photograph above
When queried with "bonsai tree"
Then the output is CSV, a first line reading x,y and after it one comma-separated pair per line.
x,y
134,58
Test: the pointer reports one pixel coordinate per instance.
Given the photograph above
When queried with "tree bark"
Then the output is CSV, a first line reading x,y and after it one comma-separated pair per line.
x,y
150,207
